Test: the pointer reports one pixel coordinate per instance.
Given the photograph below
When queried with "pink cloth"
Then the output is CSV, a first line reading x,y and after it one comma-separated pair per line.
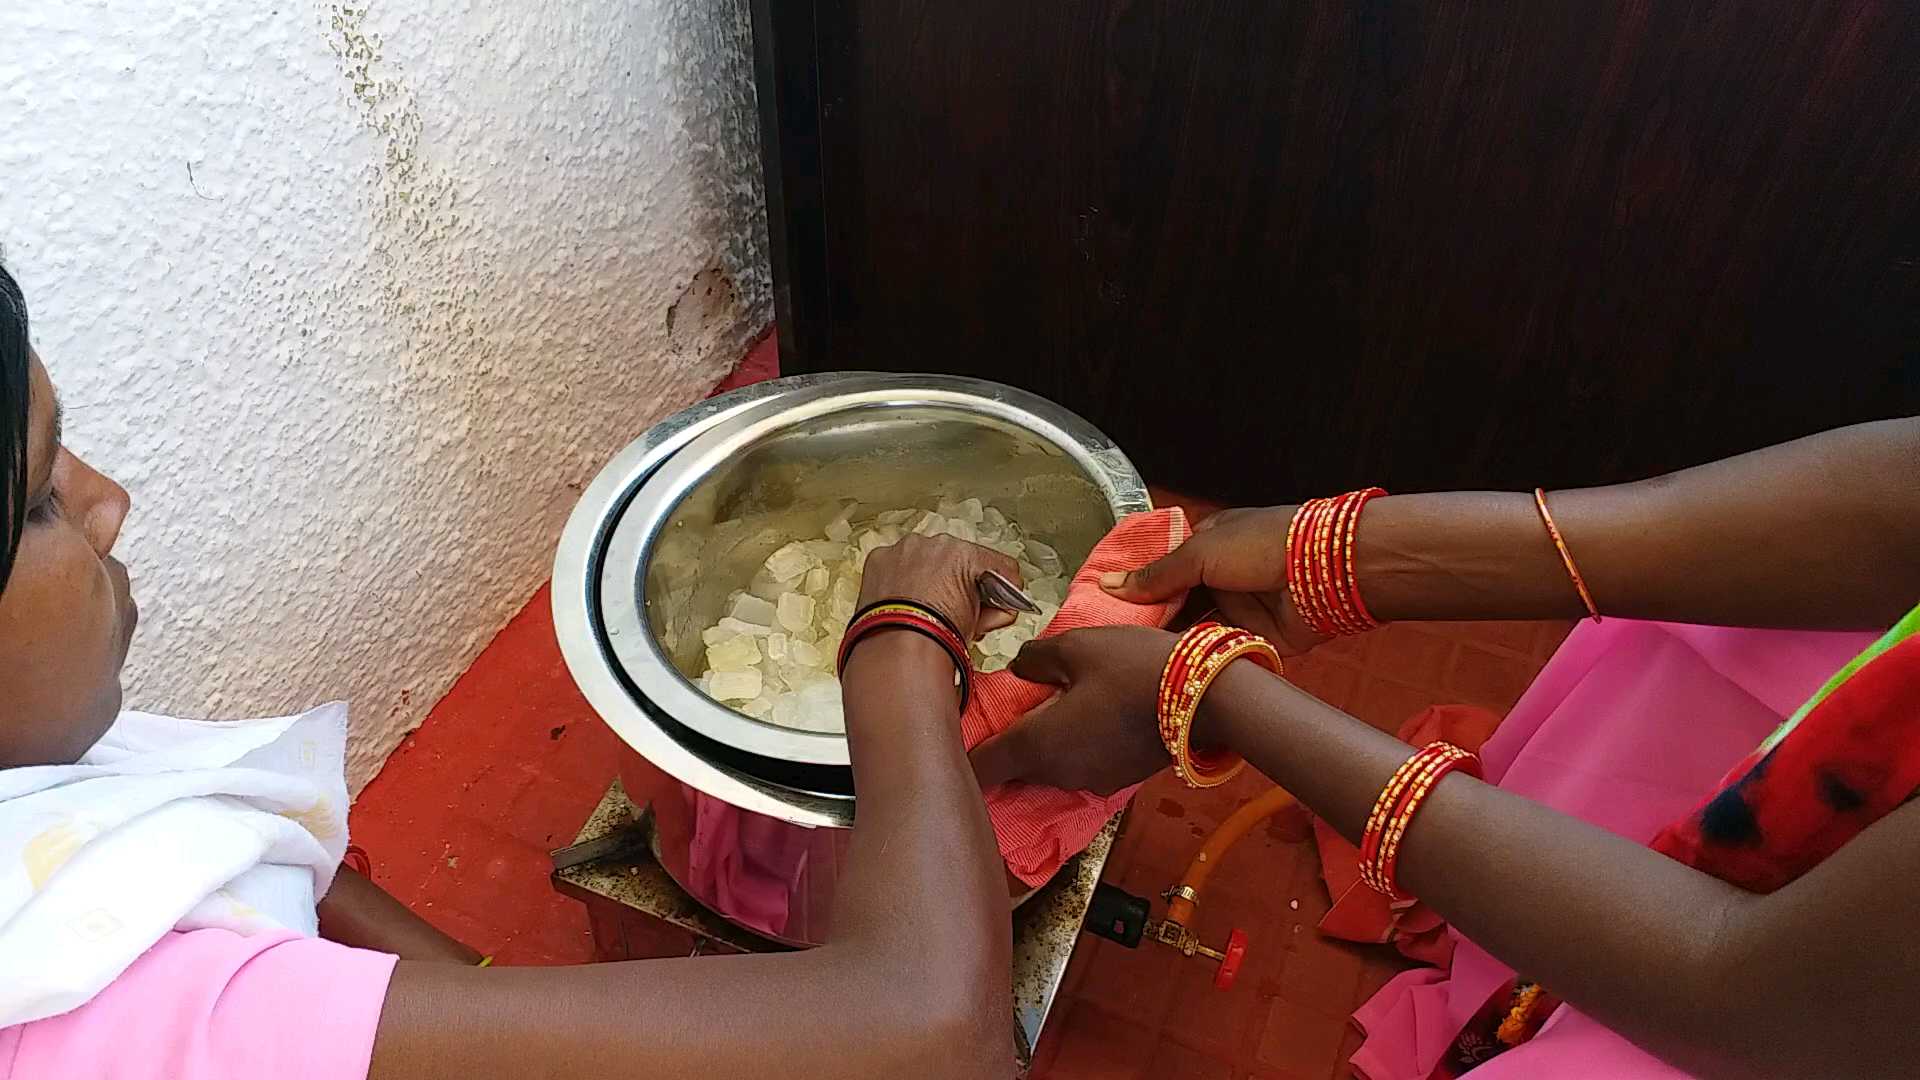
x,y
1627,727
752,866
1040,828
213,1005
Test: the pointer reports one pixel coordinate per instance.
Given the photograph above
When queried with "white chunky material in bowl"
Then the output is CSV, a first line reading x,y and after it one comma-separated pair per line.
x,y
771,655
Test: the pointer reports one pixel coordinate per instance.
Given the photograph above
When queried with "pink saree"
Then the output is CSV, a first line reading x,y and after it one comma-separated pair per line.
x,y
1627,727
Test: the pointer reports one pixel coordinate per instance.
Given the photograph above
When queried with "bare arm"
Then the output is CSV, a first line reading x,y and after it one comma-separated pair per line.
x,y
1715,979
1820,533
359,913
916,981
1820,978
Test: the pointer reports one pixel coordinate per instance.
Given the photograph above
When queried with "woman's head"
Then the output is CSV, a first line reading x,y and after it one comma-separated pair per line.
x,y
66,616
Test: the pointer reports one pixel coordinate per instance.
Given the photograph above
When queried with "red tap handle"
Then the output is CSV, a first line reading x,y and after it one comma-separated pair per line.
x,y
1236,951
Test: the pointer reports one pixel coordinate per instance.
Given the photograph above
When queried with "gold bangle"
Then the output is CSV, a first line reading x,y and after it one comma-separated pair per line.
x,y
1437,767
1566,555
1197,684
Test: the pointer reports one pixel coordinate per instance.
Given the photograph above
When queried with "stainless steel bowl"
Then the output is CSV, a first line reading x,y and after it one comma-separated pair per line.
x,y
684,515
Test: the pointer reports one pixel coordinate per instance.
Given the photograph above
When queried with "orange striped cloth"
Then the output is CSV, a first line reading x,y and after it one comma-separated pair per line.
x,y
1040,828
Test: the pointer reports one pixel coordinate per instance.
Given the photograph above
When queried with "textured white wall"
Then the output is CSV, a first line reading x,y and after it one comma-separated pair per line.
x,y
353,297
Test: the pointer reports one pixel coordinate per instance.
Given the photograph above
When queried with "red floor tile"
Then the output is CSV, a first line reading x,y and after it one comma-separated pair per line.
x,y
1350,1042
1378,969
1134,984
1096,1045
1333,681
1299,1042
1323,975
1547,637
1352,648
1515,637
1484,677
1163,837
1171,1061
1222,1023
1386,704
1408,654
505,768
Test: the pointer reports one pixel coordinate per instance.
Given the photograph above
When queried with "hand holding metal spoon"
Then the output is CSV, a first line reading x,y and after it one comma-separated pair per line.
x,y
996,591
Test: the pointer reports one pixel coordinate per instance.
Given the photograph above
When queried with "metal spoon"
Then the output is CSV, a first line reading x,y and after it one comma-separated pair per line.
x,y
996,591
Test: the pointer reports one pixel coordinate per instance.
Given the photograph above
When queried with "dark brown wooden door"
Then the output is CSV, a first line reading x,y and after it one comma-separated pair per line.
x,y
1288,248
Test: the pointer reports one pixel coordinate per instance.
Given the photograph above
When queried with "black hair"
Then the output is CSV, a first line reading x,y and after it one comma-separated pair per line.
x,y
16,390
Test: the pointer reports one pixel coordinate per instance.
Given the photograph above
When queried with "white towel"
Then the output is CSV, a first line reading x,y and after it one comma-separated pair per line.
x,y
165,824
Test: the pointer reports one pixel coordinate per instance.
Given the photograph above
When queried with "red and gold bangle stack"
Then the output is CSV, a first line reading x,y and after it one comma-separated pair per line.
x,y
1198,658
919,618
1320,574
1393,811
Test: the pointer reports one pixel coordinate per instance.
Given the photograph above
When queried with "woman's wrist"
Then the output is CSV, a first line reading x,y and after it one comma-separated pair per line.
x,y
900,657
1460,555
1218,723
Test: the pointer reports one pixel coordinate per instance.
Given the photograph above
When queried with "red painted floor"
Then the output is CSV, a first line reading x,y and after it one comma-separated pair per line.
x,y
508,765
1150,1012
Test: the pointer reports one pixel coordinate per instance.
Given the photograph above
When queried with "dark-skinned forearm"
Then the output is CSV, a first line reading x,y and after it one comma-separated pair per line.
x,y
914,981
359,913
1823,532
924,873
1646,945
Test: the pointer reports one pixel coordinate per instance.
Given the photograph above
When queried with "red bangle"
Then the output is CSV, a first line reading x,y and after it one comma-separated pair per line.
x,y
1321,575
1383,808
919,618
1356,605
1345,512
1196,659
1406,791
1416,797
1300,572
1395,809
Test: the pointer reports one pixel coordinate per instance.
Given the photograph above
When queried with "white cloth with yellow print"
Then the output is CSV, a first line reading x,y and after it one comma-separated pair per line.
x,y
165,824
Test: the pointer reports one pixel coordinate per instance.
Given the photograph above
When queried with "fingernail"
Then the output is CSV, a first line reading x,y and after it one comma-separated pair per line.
x,y
1113,579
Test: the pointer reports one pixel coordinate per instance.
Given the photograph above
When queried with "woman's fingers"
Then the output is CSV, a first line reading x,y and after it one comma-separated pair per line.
x,y
1181,570
995,761
1248,612
1215,520
1041,660
978,560
941,572
1184,568
991,619
1009,755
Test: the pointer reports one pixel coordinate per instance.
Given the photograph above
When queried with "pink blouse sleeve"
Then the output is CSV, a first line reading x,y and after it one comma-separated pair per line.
x,y
213,1005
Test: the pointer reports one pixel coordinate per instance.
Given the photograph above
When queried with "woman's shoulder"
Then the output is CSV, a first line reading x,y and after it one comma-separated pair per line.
x,y
214,1003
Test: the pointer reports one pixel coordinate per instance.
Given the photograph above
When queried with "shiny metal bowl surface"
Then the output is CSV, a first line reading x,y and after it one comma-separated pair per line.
x,y
708,518
683,516
750,818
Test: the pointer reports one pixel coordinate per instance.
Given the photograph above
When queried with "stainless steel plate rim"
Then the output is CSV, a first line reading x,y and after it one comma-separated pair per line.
x,y
606,536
